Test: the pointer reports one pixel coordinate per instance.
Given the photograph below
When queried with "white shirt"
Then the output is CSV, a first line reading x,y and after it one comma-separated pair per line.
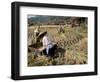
x,y
46,41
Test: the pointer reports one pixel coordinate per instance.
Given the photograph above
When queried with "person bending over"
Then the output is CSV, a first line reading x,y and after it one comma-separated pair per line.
x,y
48,46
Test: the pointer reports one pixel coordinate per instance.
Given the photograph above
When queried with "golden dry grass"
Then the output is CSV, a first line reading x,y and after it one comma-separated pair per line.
x,y
73,41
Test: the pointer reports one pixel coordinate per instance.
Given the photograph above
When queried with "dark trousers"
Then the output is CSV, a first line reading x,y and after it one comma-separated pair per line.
x,y
51,51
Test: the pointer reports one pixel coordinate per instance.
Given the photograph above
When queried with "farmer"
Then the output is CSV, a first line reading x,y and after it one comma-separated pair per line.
x,y
36,33
48,46
61,29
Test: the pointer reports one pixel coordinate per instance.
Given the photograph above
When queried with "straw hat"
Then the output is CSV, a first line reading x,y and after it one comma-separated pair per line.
x,y
42,34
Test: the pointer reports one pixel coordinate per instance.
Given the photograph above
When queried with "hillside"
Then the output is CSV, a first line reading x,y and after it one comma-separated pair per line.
x,y
53,20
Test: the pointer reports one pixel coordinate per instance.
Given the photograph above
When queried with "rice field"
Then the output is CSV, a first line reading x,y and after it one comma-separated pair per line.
x,y
72,46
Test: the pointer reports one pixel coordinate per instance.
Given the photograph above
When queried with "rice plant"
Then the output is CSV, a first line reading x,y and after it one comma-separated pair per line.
x,y
72,47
